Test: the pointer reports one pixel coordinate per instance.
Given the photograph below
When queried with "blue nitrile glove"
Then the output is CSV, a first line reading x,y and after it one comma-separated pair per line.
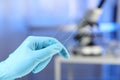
x,y
33,55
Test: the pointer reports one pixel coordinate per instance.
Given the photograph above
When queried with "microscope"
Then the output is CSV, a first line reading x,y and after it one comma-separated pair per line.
x,y
85,35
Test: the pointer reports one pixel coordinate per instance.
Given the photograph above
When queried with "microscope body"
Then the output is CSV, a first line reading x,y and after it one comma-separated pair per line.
x,y
84,37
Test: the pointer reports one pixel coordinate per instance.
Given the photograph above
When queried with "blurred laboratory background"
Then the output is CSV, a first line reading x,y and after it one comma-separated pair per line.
x,y
90,30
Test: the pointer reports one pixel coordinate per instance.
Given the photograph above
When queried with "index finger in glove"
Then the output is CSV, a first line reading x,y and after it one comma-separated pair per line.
x,y
52,50
37,43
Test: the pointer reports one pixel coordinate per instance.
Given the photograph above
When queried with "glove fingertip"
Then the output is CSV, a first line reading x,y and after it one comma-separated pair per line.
x,y
64,53
36,71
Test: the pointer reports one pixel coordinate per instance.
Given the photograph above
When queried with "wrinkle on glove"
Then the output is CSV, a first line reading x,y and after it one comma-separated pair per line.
x,y
41,65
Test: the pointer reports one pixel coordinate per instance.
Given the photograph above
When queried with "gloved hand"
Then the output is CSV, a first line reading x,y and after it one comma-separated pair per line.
x,y
33,55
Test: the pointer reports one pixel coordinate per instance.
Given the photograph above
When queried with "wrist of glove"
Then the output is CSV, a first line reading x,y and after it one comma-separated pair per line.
x,y
4,74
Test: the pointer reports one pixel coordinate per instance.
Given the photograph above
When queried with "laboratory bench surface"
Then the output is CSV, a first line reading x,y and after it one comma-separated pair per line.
x,y
106,59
